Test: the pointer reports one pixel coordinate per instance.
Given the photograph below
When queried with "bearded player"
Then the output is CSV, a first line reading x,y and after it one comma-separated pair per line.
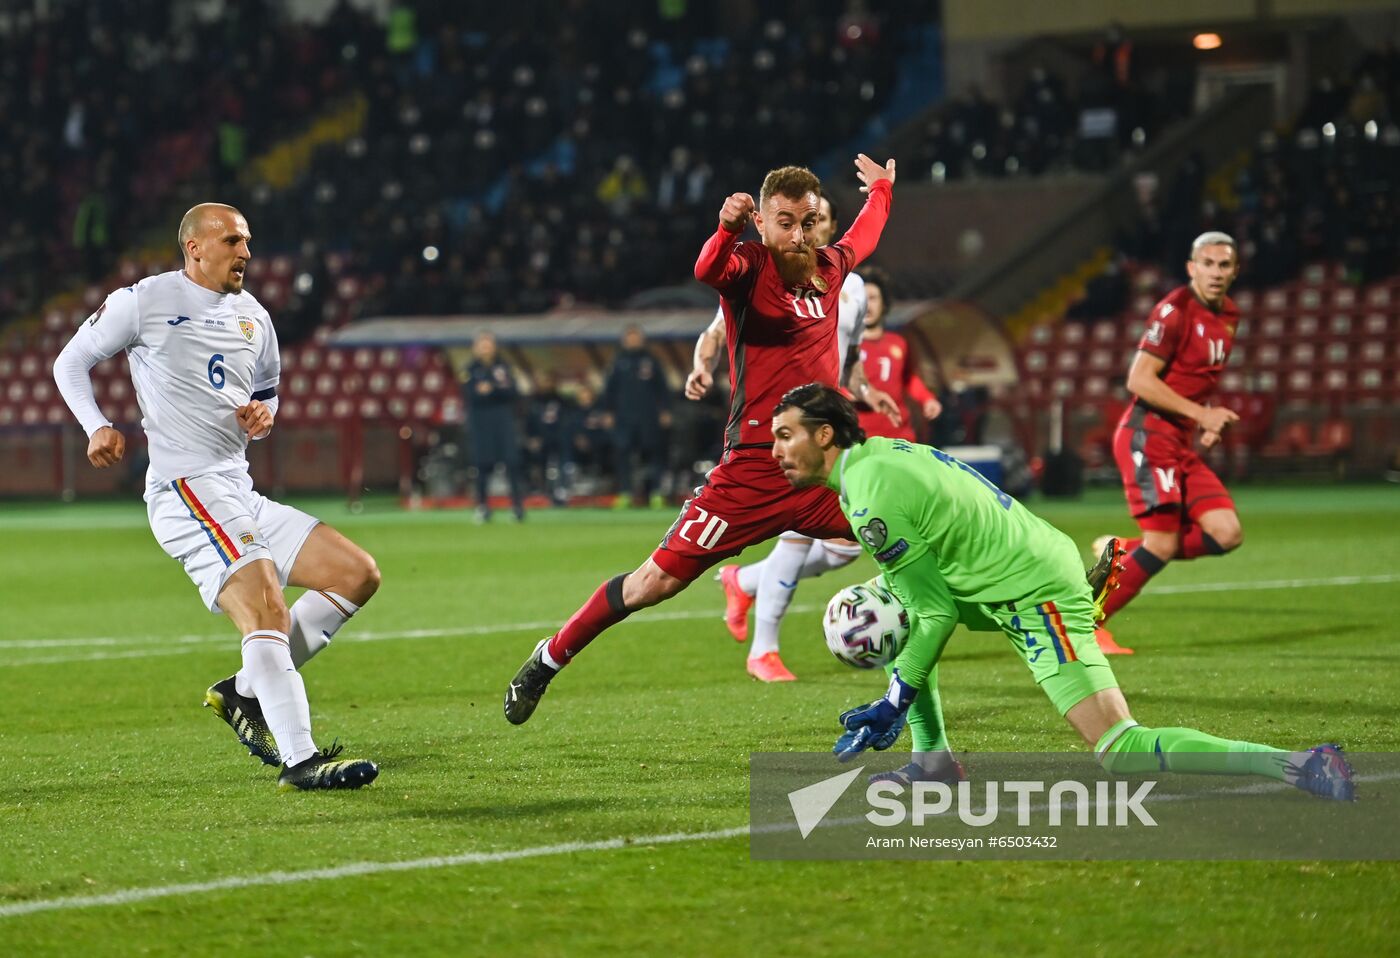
x,y
205,366
769,584
780,299
1181,506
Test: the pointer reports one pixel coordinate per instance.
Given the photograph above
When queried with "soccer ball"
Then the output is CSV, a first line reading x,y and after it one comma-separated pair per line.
x,y
865,626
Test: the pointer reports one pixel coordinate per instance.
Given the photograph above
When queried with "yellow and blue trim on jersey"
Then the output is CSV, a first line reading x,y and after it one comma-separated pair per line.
x,y
223,545
1055,627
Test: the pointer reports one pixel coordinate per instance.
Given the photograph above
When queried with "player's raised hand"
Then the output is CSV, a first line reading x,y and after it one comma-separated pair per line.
x,y
106,447
255,419
736,212
868,171
881,401
698,383
1216,419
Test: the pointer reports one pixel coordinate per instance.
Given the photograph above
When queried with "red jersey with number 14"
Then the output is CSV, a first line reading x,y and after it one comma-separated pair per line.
x,y
1194,341
782,336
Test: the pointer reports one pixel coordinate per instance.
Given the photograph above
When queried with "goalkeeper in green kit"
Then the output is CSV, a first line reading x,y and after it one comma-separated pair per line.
x,y
954,548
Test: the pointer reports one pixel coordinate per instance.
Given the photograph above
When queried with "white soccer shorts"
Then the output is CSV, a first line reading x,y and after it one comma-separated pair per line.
x,y
216,524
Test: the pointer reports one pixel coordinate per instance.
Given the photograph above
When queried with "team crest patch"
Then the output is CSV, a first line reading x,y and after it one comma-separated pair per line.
x,y
247,327
246,538
1154,333
819,283
873,534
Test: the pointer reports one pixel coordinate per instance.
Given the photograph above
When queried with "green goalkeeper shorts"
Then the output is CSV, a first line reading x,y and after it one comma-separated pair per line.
x,y
1056,640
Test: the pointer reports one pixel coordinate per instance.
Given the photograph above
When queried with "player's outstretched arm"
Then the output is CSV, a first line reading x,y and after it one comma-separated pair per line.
x,y
864,234
876,399
708,346
717,266
1145,382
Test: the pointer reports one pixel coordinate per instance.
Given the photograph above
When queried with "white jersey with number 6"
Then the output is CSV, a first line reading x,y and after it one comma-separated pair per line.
x,y
196,356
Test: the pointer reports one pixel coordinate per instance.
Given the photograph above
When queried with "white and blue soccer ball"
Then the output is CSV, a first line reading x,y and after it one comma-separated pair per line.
x,y
865,625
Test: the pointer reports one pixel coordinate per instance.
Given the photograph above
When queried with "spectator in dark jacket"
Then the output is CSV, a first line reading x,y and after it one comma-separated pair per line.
x,y
490,396
637,398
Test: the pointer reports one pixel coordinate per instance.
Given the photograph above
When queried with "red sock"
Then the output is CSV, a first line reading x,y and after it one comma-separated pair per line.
x,y
1195,542
1138,566
603,610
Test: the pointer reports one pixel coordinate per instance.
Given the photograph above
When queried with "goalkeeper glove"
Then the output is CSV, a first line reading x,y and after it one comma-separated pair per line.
x,y
878,724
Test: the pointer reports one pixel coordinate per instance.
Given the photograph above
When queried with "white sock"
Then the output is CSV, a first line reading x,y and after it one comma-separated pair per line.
x,y
316,616
781,570
825,556
268,668
752,574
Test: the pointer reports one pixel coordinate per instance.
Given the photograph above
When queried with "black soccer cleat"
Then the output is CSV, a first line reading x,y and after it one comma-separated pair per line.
x,y
324,770
244,715
1326,774
1103,577
528,686
908,775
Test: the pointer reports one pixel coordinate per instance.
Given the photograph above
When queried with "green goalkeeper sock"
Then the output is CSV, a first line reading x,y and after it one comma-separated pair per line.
x,y
1129,748
926,726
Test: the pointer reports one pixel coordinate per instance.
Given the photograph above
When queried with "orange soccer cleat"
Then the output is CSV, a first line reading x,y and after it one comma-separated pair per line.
x,y
736,603
770,668
1106,644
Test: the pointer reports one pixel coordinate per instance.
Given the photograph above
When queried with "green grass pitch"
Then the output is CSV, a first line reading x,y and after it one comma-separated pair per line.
x,y
115,781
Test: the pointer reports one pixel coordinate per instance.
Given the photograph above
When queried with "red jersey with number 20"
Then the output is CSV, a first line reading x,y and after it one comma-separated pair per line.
x,y
782,336
1194,341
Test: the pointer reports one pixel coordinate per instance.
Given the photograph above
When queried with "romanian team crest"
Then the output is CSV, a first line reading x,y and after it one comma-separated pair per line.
x,y
246,538
247,327
873,534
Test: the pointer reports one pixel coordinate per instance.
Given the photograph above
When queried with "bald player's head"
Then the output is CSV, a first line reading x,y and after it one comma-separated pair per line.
x,y
214,239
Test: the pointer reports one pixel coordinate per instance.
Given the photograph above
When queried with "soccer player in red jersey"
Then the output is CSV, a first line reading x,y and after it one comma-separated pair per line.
x,y
1181,506
888,365
780,303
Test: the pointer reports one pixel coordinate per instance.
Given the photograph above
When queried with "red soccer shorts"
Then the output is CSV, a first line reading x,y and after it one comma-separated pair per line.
x,y
1164,479
744,500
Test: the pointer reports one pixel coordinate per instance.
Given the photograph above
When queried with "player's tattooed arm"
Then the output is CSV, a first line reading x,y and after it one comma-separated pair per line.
x,y
707,349
1145,382
876,399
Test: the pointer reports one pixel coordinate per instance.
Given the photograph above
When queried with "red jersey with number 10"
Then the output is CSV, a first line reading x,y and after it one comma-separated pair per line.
x,y
1194,341
782,336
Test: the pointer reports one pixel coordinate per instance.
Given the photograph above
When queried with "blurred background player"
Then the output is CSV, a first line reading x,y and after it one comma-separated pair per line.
x,y
490,396
779,297
888,366
205,366
551,431
769,585
1181,506
639,404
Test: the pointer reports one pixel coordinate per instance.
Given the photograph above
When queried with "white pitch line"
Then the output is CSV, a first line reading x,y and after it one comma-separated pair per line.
x,y
130,895
355,869
184,644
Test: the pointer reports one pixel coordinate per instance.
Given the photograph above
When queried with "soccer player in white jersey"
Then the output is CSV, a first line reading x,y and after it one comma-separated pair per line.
x,y
768,585
205,365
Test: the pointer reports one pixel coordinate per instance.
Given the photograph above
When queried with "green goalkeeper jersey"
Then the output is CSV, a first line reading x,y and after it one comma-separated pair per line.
x,y
925,515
